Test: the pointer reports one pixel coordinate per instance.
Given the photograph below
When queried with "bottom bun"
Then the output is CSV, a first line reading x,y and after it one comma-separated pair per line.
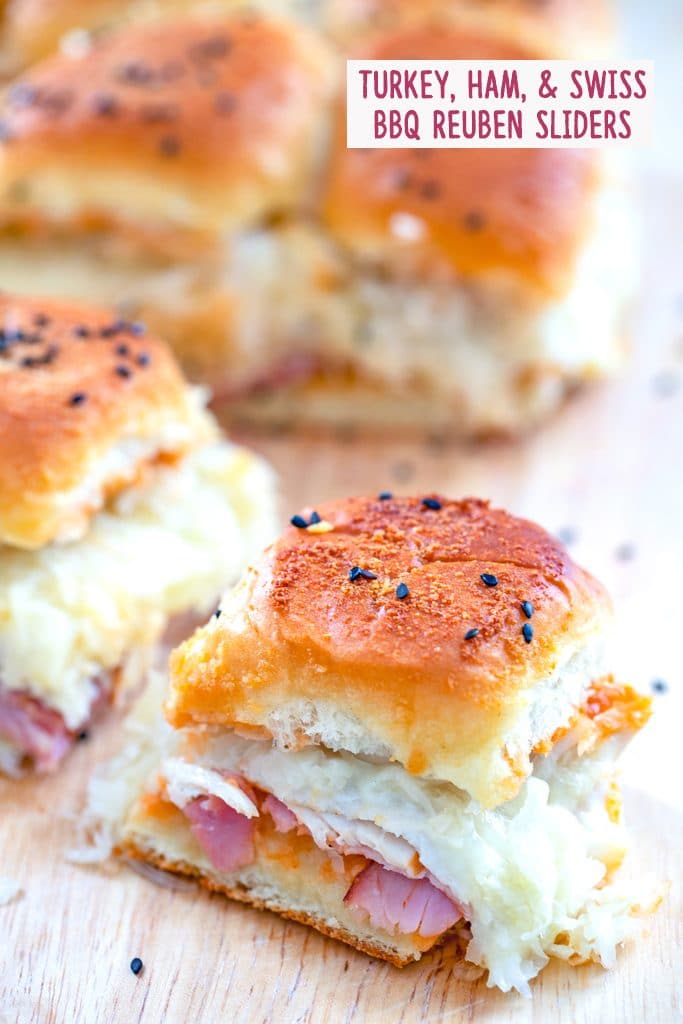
x,y
289,875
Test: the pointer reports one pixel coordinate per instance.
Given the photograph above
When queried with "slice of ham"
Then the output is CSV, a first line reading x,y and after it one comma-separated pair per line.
x,y
225,836
37,731
399,904
284,819
40,732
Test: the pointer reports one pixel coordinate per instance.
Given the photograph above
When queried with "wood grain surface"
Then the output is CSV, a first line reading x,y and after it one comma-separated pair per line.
x,y
608,474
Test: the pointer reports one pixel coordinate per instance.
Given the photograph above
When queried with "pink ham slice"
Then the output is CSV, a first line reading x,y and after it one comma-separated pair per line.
x,y
399,904
284,819
39,732
225,836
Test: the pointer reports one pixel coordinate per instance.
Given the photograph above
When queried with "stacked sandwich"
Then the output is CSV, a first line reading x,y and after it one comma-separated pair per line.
x,y
398,727
194,167
121,509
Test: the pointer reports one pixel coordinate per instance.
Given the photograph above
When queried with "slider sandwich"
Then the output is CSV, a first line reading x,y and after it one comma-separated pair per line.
x,y
194,169
121,509
398,728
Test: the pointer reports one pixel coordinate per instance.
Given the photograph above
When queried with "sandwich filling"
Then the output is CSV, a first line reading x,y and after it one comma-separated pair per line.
x,y
529,877
287,306
72,615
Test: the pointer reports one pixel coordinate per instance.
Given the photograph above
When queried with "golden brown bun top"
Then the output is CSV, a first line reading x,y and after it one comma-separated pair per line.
x,y
35,28
470,211
301,629
78,386
216,118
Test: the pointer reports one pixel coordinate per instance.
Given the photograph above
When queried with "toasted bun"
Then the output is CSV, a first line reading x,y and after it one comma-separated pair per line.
x,y
309,655
469,212
197,123
290,875
557,27
35,28
87,403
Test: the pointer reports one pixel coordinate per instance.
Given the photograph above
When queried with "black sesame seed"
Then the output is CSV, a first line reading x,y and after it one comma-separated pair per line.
x,y
357,573
122,350
136,73
123,371
105,105
83,735
217,613
137,327
169,145
299,522
528,632
143,359
81,331
430,189
474,220
402,591
136,965
659,686
40,320
78,398
432,503
527,608
29,362
315,518
384,496
489,579
471,633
